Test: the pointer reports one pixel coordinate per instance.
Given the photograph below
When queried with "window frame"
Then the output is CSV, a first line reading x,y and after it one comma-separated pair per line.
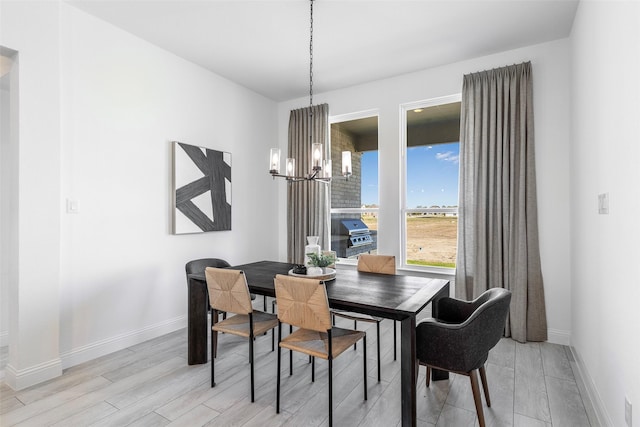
x,y
339,118
449,99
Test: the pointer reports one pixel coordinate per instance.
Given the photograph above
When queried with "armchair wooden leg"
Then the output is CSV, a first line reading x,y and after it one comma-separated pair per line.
x,y
485,385
428,379
476,397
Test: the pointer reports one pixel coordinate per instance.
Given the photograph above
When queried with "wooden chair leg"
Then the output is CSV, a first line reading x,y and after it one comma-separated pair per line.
x,y
279,357
355,326
378,346
251,362
214,334
476,397
213,379
290,354
330,361
313,369
485,385
364,363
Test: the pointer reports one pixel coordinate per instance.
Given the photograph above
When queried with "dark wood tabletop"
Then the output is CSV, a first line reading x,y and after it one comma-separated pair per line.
x,y
383,295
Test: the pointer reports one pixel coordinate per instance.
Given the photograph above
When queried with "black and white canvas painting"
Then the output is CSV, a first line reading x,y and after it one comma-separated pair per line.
x,y
202,189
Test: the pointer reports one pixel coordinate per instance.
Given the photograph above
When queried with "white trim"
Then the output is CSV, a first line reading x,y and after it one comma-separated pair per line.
x,y
19,379
354,210
556,336
119,342
592,393
354,116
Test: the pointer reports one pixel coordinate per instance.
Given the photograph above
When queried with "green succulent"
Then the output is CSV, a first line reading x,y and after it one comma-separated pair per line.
x,y
321,260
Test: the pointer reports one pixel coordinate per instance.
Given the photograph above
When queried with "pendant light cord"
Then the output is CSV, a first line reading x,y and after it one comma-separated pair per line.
x,y
311,57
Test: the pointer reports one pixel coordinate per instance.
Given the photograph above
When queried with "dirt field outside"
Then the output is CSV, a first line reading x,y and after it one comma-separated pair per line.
x,y
431,240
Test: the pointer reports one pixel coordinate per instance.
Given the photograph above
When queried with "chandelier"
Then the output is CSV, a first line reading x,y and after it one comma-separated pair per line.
x,y
320,169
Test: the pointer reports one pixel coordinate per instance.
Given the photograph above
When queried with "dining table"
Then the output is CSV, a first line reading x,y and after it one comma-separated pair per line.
x,y
398,297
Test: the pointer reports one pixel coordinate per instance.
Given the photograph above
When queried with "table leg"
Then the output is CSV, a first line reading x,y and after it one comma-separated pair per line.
x,y
198,305
408,370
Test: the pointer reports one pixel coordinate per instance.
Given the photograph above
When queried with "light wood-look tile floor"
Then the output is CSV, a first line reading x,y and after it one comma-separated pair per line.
x,y
150,384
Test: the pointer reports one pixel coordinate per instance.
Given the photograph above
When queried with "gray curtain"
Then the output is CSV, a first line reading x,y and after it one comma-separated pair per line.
x,y
498,224
307,201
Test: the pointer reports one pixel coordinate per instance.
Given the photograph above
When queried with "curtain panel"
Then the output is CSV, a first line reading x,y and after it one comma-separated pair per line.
x,y
498,225
307,201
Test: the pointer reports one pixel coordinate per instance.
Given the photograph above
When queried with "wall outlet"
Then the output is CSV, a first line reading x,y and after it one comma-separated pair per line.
x,y
73,206
603,203
627,411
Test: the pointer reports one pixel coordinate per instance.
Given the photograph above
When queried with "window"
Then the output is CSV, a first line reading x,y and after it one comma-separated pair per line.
x,y
354,202
432,149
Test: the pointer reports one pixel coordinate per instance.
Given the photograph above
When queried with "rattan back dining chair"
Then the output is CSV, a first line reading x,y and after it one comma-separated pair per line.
x,y
380,264
303,303
228,291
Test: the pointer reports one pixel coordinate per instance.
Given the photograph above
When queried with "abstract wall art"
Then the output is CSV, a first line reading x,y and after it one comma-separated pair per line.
x,y
201,189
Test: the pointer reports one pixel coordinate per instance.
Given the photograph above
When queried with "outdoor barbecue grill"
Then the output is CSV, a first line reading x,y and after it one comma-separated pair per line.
x,y
351,236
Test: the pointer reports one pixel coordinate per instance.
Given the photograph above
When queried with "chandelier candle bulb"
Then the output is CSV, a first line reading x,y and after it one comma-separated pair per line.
x,y
327,169
274,166
346,163
291,167
316,156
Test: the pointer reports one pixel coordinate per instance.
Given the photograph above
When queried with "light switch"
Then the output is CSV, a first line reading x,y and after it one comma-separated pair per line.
x,y
603,203
73,206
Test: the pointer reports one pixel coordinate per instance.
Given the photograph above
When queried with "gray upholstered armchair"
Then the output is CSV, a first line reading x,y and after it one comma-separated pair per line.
x,y
460,338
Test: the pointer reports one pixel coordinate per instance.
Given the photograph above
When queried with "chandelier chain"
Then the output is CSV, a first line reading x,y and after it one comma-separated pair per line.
x,y
311,56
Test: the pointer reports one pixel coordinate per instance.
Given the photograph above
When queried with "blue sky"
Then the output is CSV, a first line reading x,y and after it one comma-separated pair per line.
x,y
432,176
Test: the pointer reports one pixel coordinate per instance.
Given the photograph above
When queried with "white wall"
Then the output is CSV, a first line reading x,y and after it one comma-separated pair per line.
x,y
551,104
115,272
605,155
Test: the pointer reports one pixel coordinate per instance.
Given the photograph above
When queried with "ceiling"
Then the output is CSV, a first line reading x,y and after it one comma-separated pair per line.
x,y
264,44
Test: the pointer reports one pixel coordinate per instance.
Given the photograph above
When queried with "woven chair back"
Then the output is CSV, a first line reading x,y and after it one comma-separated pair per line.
x,y
382,264
228,290
302,303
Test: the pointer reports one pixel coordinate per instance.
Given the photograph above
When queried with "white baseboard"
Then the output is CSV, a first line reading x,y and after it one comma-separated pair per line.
x,y
592,393
556,336
19,379
101,348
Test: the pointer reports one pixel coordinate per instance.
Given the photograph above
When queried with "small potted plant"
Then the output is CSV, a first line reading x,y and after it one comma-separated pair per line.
x,y
320,262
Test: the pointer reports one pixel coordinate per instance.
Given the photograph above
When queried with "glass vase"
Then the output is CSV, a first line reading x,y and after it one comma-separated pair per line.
x,y
312,247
